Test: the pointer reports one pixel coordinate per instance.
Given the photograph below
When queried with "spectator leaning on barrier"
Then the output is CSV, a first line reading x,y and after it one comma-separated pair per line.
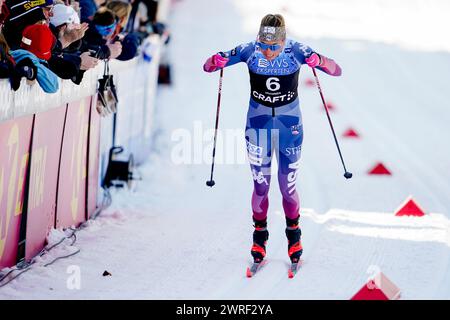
x,y
37,43
69,62
22,14
12,71
8,67
64,20
67,36
98,38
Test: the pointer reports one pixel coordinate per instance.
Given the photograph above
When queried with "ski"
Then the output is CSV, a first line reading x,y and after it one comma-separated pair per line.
x,y
294,268
254,268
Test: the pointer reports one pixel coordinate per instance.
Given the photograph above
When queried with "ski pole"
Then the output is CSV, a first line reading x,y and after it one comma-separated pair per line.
x,y
211,182
347,174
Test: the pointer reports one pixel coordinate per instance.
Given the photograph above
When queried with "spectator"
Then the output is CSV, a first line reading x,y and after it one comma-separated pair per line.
x,y
131,41
66,60
63,23
37,43
98,38
76,31
68,63
8,67
21,15
122,11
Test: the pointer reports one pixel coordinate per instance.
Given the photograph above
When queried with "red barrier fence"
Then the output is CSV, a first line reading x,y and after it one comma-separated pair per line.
x,y
15,136
71,204
59,191
51,146
46,148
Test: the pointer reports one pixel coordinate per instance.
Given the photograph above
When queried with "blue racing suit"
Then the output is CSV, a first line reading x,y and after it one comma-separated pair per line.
x,y
274,120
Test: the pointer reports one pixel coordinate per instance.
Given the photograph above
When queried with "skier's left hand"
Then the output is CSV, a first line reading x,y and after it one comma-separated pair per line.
x,y
314,60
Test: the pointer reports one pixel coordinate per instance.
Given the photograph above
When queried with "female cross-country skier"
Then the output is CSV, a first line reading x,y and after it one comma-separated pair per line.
x,y
274,121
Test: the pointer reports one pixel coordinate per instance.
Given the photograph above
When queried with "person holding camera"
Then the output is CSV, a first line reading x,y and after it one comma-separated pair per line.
x,y
99,37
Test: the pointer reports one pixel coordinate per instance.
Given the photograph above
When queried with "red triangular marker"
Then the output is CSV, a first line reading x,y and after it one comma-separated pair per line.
x,y
379,288
350,133
409,208
380,169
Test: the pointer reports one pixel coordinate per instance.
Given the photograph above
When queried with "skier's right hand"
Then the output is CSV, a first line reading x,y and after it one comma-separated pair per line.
x,y
215,62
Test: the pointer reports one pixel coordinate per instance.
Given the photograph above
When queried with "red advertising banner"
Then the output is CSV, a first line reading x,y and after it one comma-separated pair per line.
x,y
93,154
71,202
44,162
15,137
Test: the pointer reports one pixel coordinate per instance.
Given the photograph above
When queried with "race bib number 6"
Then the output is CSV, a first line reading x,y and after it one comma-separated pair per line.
x,y
272,84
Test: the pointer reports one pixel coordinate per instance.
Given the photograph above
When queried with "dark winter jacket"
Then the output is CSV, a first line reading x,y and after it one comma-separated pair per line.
x,y
66,62
65,65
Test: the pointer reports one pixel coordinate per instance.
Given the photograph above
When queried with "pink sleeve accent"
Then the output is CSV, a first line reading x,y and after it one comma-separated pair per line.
x,y
208,66
329,66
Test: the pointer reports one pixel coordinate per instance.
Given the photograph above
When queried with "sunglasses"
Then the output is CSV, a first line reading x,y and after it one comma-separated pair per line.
x,y
272,47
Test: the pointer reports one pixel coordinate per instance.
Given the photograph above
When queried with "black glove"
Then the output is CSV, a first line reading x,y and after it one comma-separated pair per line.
x,y
26,68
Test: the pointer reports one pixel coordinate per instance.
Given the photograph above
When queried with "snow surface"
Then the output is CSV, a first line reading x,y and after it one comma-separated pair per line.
x,y
174,238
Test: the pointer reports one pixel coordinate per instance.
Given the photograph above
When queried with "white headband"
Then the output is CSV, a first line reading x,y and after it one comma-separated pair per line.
x,y
268,33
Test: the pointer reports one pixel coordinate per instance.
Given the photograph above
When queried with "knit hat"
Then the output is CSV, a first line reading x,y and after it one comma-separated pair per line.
x,y
64,14
39,40
27,11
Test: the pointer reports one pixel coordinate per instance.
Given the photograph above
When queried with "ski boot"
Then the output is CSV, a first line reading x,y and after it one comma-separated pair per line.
x,y
260,236
293,234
